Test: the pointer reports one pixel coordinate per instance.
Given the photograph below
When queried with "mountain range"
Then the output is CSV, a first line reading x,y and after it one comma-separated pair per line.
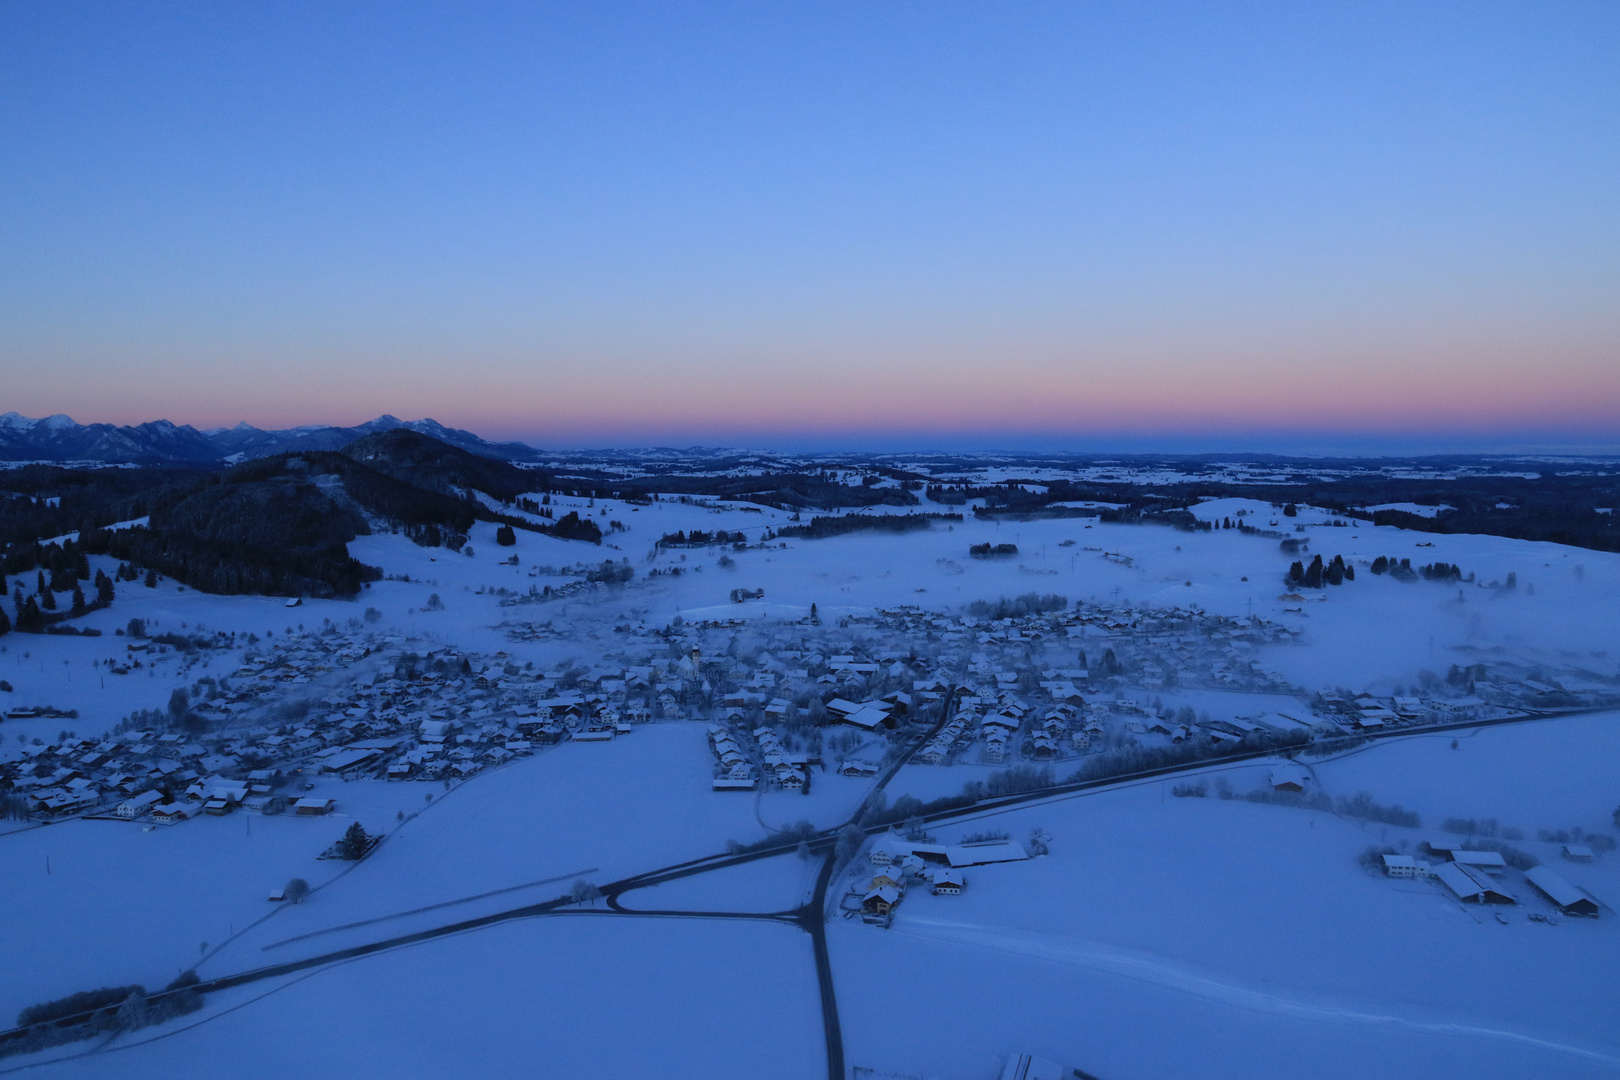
x,y
60,438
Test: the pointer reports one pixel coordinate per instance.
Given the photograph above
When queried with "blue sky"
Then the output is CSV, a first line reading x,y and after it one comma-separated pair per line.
x,y
896,223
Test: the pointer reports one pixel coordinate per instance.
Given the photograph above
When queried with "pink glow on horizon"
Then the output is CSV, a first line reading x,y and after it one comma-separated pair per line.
x,y
1130,389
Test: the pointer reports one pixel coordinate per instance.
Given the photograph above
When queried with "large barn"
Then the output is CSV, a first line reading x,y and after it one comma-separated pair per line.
x,y
1471,886
1570,900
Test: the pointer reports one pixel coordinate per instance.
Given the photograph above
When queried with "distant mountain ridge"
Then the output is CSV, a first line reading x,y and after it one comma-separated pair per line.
x,y
60,438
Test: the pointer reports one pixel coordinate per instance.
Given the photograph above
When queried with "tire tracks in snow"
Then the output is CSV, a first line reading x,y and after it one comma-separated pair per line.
x,y
1208,986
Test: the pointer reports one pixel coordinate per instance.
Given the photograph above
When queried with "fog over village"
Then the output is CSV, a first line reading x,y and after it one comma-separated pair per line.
x,y
921,542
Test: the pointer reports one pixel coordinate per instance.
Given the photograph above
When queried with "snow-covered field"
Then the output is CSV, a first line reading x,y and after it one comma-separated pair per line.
x,y
562,996
1173,936
1163,937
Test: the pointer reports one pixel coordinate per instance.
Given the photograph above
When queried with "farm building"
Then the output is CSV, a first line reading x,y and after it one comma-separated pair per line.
x,y
1570,900
1489,861
314,807
348,760
1470,885
1288,778
1404,866
983,853
948,882
1577,853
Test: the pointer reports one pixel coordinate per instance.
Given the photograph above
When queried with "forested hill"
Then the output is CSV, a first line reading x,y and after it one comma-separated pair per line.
x,y
277,525
425,462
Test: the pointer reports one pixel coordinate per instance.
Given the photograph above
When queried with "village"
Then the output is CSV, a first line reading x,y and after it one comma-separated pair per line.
x,y
782,700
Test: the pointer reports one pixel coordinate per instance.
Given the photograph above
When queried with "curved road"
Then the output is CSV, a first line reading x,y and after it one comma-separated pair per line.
x,y
810,915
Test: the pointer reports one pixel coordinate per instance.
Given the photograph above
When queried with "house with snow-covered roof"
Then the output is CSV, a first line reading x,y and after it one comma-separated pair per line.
x,y
880,901
1405,866
140,804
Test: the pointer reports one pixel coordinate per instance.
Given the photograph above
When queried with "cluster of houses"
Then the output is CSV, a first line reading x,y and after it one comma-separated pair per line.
x,y
1369,712
1474,876
739,764
142,774
440,715
994,718
1509,688
895,863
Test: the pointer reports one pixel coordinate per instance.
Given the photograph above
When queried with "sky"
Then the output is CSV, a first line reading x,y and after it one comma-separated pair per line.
x,y
882,224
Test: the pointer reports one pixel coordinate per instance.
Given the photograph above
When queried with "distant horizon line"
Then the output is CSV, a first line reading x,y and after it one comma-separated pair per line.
x,y
1326,446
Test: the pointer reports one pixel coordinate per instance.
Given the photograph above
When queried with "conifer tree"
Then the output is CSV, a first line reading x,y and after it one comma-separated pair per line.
x,y
30,620
355,842
1313,573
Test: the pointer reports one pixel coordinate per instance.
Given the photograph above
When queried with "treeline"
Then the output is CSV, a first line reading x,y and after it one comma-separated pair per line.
x,y
822,527
1401,570
809,490
992,551
699,538
1360,805
1560,508
108,1011
573,527
1018,607
1318,574
62,568
799,832
611,573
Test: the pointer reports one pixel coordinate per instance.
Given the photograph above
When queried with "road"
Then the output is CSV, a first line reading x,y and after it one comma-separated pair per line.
x,y
809,916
